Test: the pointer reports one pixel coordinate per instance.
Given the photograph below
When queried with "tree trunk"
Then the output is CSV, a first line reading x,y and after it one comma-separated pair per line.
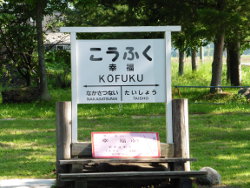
x,y
193,57
181,62
228,66
201,54
233,63
40,5
217,62
218,52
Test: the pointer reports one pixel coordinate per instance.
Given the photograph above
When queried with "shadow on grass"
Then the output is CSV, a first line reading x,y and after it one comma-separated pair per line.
x,y
222,142
27,147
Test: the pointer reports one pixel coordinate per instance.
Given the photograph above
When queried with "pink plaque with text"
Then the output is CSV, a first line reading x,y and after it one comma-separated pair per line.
x,y
125,144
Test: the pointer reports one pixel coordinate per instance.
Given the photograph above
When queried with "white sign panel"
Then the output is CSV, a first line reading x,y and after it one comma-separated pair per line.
x,y
125,144
121,71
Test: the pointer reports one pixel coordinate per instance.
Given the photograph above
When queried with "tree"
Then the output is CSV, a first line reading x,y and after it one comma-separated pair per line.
x,y
213,16
189,39
226,20
233,62
199,19
130,12
17,38
193,59
236,36
39,7
36,10
180,43
217,60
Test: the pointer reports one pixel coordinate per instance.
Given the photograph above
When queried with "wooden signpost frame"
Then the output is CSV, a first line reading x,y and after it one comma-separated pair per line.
x,y
72,155
73,38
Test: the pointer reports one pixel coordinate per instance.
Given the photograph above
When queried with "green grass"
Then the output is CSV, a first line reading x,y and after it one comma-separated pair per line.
x,y
225,103
219,128
219,141
198,104
222,142
27,148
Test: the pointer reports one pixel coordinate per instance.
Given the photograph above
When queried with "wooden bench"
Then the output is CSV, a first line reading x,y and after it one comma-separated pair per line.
x,y
130,175
178,179
76,165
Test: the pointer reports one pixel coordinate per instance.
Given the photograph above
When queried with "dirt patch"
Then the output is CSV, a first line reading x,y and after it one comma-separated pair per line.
x,y
221,95
146,116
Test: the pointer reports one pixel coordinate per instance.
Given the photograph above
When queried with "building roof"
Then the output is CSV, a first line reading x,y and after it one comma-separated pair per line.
x,y
57,38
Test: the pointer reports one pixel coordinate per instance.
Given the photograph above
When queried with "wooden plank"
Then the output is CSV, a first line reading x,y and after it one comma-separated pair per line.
x,y
131,175
167,150
84,149
81,149
127,160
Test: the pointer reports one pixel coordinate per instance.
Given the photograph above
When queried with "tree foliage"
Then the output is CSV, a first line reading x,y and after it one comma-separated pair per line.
x,y
40,9
236,36
220,21
17,38
24,36
202,21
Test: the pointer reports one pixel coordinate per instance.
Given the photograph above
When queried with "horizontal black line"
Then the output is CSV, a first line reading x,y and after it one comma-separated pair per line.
x,y
95,49
112,48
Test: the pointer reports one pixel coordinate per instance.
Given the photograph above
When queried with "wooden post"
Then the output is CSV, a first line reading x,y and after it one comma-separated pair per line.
x,y
63,136
181,130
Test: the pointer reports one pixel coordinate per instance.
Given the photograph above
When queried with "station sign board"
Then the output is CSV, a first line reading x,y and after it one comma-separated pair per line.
x,y
121,71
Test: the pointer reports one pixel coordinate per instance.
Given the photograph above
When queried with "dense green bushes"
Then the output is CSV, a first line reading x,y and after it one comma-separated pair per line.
x,y
27,94
58,68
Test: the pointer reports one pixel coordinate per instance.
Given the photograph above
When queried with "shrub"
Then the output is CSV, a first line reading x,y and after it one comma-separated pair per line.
x,y
20,95
58,66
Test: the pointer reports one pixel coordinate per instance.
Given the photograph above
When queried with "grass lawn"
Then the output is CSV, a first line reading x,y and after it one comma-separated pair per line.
x,y
27,148
219,132
219,141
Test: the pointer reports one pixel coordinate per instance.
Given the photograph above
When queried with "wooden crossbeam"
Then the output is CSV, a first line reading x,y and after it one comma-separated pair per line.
x,y
126,160
130,175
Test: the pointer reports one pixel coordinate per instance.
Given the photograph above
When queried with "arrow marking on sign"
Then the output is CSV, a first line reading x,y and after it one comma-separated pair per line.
x,y
155,85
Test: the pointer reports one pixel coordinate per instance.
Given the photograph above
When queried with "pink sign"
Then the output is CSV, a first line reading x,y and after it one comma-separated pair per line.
x,y
125,144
